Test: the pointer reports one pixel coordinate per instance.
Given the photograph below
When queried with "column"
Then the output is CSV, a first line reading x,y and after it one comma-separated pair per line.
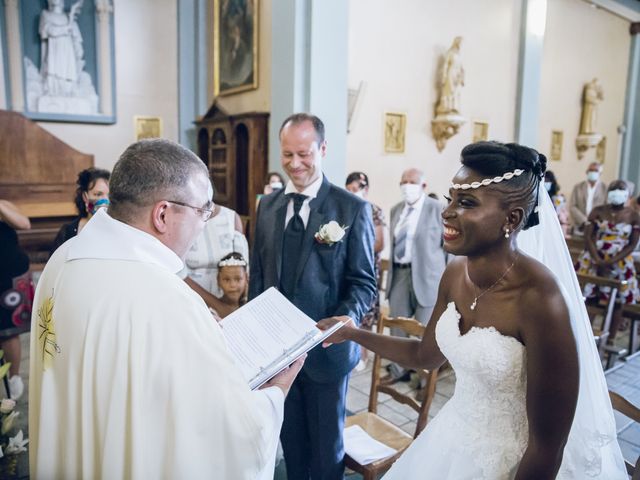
x,y
532,28
309,73
104,9
630,149
193,62
14,53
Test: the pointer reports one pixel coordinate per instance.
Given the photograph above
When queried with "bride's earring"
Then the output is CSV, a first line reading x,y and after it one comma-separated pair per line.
x,y
506,233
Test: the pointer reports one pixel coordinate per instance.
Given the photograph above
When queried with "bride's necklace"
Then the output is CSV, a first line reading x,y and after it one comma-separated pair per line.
x,y
477,297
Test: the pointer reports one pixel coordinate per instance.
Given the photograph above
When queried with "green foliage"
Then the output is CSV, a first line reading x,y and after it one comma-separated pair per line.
x,y
4,369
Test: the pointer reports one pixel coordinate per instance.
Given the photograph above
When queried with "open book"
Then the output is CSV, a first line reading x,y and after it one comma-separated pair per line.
x,y
268,334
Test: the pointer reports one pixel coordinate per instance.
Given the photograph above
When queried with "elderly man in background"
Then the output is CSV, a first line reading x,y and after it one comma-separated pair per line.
x,y
586,195
130,375
417,258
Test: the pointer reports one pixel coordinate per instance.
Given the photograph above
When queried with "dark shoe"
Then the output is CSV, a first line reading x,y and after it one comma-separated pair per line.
x,y
390,379
420,394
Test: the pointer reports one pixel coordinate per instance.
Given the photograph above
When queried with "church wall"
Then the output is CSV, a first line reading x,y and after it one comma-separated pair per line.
x,y
146,42
395,47
582,42
258,100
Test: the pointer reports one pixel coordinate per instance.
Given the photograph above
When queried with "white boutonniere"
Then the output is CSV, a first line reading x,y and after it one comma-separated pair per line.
x,y
330,233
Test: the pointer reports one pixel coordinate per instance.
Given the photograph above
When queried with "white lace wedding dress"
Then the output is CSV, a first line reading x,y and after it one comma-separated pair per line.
x,y
481,432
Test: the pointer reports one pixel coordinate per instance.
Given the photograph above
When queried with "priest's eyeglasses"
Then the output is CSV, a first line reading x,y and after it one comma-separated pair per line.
x,y
205,213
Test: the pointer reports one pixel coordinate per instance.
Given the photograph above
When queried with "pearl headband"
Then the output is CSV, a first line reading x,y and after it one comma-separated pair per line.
x,y
487,181
232,262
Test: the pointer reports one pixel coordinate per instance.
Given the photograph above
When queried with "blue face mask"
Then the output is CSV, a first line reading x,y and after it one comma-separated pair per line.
x,y
548,186
93,207
617,197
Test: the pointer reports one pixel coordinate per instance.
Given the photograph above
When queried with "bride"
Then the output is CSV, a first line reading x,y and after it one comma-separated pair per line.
x,y
530,400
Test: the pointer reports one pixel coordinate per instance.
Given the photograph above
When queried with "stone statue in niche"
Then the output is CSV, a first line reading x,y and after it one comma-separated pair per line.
x,y
61,85
592,95
448,119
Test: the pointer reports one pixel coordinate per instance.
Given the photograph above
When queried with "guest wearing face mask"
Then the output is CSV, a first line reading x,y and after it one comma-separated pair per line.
x,y
91,195
585,196
558,199
358,184
274,182
611,233
417,259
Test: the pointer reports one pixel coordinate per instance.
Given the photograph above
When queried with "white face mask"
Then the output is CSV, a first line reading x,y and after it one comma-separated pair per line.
x,y
359,193
411,192
617,197
276,185
593,176
548,186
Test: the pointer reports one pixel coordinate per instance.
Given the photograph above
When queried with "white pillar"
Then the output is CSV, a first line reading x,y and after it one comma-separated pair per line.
x,y
103,40
14,51
532,29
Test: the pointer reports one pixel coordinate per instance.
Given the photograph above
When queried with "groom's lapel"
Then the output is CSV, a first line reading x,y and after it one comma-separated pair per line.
x,y
280,208
316,218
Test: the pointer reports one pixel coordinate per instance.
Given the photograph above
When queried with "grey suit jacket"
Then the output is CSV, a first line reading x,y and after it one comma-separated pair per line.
x,y
428,259
578,201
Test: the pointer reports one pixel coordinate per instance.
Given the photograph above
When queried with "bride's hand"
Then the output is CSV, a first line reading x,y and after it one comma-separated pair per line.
x,y
341,334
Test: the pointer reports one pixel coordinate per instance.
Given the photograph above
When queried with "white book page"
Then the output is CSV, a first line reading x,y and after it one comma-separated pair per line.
x,y
264,330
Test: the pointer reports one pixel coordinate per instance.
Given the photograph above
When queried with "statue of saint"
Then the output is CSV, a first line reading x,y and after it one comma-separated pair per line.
x,y
62,53
451,80
591,96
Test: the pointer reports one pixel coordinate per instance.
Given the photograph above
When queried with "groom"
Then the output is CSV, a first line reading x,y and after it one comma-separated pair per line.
x,y
325,272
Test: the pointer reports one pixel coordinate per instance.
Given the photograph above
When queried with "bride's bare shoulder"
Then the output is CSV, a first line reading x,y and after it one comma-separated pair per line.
x,y
541,296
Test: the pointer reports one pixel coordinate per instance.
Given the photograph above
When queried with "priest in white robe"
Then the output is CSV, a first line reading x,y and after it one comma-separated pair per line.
x,y
130,375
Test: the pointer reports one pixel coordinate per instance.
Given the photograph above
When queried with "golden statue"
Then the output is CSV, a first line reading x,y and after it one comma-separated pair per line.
x,y
448,119
588,138
451,80
591,96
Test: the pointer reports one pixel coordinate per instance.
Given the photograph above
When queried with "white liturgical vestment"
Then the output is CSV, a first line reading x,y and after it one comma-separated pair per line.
x,y
130,375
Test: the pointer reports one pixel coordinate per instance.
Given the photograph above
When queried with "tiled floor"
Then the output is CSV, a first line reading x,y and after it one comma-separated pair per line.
x,y
625,380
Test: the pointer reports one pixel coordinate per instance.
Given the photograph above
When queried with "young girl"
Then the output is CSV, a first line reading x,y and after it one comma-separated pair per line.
x,y
233,281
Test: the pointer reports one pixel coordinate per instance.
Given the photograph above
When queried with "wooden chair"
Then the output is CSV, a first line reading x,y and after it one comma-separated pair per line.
x,y
632,312
381,429
382,286
625,407
595,309
576,245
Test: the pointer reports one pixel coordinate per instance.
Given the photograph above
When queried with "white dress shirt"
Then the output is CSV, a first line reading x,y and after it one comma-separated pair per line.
x,y
311,192
591,191
412,224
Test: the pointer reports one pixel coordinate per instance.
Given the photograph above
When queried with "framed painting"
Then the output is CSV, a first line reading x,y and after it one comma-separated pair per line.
x,y
235,46
394,132
147,127
59,60
556,144
480,132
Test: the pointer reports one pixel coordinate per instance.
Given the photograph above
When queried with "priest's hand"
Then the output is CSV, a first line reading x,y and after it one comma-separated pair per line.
x,y
285,378
341,334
